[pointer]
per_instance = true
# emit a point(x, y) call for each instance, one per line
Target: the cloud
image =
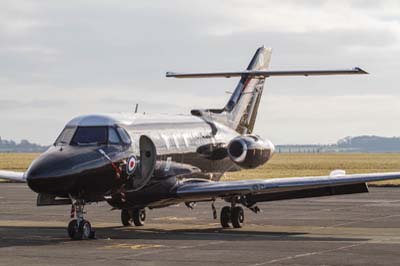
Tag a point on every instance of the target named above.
point(324, 119)
point(90, 56)
point(11, 104)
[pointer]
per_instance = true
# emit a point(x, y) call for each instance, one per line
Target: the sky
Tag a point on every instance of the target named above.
point(61, 59)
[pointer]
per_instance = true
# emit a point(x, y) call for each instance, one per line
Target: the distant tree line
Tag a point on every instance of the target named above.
point(348, 144)
point(23, 146)
point(373, 144)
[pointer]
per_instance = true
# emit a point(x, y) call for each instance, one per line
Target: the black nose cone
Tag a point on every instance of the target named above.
point(47, 174)
point(72, 171)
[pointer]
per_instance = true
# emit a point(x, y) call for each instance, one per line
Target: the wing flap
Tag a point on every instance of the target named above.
point(268, 73)
point(307, 193)
point(12, 176)
point(276, 185)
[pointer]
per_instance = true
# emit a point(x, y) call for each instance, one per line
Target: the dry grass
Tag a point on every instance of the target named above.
point(281, 165)
point(16, 161)
point(300, 164)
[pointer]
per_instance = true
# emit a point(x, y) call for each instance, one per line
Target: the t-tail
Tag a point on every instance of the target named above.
point(240, 112)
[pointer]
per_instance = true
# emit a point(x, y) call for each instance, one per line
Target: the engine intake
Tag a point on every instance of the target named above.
point(250, 151)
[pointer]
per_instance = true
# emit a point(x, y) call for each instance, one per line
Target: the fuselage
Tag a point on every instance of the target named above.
point(82, 164)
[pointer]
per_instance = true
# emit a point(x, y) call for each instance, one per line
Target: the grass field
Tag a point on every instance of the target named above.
point(303, 164)
point(281, 165)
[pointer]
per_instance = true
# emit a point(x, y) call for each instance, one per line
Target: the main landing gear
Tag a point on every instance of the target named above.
point(79, 228)
point(134, 216)
point(232, 215)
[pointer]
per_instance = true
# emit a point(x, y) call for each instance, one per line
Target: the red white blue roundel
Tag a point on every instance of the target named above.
point(131, 165)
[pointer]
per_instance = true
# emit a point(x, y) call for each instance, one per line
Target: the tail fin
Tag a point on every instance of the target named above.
point(241, 110)
point(243, 105)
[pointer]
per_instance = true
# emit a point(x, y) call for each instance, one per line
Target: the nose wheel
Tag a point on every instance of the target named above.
point(232, 215)
point(133, 217)
point(79, 228)
point(80, 231)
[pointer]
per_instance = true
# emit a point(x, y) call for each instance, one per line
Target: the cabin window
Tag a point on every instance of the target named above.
point(90, 136)
point(113, 136)
point(124, 135)
point(65, 137)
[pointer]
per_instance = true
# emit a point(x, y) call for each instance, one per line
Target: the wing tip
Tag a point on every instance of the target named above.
point(361, 71)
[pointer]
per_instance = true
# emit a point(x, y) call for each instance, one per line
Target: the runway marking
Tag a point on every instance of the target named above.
point(156, 251)
point(307, 254)
point(173, 218)
point(137, 246)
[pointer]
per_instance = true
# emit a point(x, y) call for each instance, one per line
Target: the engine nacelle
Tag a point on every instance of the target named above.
point(250, 151)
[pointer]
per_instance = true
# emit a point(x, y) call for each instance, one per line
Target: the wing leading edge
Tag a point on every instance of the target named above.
point(206, 190)
point(12, 176)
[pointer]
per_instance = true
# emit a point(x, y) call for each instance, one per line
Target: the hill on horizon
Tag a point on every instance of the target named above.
point(361, 144)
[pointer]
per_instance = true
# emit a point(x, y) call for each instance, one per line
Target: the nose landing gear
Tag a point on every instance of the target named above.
point(79, 228)
point(135, 216)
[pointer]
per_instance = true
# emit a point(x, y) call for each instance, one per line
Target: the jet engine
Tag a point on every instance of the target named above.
point(250, 151)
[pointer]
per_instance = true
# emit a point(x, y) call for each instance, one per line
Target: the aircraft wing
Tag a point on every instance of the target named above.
point(12, 176)
point(283, 188)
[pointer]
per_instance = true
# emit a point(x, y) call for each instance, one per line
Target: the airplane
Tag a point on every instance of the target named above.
point(138, 161)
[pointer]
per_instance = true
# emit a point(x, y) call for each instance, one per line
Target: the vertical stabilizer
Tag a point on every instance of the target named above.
point(241, 110)
point(243, 105)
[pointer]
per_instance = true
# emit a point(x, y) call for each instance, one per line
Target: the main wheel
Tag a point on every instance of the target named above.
point(126, 218)
point(237, 217)
point(139, 216)
point(225, 216)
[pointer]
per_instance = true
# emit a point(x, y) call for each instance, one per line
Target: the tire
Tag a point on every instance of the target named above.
point(139, 216)
point(74, 231)
point(237, 217)
point(85, 229)
point(72, 228)
point(225, 216)
point(126, 218)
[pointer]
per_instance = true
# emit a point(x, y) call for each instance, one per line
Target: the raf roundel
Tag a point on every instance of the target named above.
point(131, 165)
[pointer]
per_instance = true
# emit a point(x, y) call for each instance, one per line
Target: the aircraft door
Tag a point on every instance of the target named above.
point(148, 157)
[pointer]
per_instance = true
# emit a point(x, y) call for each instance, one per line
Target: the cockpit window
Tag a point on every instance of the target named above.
point(65, 136)
point(124, 135)
point(90, 136)
point(113, 136)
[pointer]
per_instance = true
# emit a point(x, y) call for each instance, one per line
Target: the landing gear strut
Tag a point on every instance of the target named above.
point(232, 215)
point(79, 228)
point(135, 216)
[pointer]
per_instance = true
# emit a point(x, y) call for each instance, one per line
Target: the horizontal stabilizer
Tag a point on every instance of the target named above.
point(267, 73)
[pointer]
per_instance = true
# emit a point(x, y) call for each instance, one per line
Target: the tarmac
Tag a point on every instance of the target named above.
point(359, 229)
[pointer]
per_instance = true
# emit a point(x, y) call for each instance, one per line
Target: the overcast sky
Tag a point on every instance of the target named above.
point(60, 59)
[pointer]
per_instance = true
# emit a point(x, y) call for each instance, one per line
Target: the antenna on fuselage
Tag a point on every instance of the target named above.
point(136, 108)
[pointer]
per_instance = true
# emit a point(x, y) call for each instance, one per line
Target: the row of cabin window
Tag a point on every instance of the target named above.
point(181, 140)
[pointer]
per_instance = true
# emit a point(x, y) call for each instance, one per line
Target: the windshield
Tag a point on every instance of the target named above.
point(113, 136)
point(90, 136)
point(65, 136)
point(124, 135)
